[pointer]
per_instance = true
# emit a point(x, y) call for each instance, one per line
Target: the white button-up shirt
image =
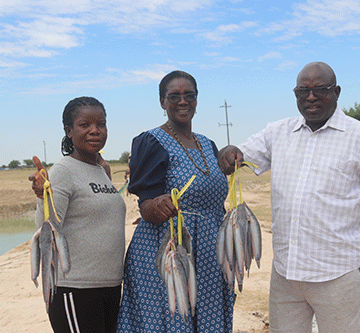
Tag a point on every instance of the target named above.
point(315, 195)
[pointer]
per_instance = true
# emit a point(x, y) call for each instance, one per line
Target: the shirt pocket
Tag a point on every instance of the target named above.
point(336, 177)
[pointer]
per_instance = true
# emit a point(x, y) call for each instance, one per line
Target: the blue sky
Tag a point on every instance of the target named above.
point(245, 52)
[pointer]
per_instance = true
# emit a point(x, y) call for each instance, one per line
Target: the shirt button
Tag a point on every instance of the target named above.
point(302, 176)
point(297, 197)
point(308, 155)
point(293, 242)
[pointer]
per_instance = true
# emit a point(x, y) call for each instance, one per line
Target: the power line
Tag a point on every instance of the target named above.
point(227, 121)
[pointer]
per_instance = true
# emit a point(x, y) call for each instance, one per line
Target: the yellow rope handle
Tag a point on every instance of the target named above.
point(47, 189)
point(232, 185)
point(175, 196)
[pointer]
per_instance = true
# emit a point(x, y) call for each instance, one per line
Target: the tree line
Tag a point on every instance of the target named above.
point(28, 163)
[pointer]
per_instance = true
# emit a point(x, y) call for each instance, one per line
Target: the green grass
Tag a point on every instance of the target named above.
point(16, 225)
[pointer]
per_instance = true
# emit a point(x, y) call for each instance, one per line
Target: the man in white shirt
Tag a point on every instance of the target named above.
point(315, 200)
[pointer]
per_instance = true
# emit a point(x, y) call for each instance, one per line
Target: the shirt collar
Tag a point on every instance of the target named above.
point(336, 121)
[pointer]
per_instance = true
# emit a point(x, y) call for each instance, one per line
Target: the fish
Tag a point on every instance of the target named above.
point(176, 266)
point(46, 243)
point(238, 242)
point(220, 240)
point(181, 288)
point(239, 239)
point(62, 249)
point(256, 241)
point(35, 258)
point(169, 283)
point(186, 239)
point(192, 285)
point(49, 248)
point(229, 240)
point(160, 256)
point(183, 257)
point(243, 221)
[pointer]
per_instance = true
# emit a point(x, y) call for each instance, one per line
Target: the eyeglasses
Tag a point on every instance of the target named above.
point(174, 99)
point(319, 92)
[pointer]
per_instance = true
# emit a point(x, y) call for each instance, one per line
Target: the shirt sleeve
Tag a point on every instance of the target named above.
point(257, 150)
point(148, 167)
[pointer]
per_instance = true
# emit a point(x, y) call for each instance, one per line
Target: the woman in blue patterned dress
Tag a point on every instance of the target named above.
point(162, 159)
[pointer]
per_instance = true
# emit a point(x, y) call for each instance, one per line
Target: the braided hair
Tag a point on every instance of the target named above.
point(70, 112)
point(171, 76)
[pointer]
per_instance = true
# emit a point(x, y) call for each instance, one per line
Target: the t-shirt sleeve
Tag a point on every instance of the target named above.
point(148, 167)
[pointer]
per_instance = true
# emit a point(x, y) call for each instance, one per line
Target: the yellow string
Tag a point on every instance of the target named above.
point(232, 185)
point(175, 196)
point(47, 190)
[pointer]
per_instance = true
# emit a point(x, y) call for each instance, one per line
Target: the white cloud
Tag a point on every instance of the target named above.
point(220, 35)
point(287, 65)
point(230, 59)
point(270, 55)
point(325, 17)
point(40, 27)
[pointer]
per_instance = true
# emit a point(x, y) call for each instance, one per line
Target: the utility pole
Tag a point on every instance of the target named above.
point(227, 121)
point(45, 152)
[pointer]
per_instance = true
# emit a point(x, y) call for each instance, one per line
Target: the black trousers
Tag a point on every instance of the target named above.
point(93, 310)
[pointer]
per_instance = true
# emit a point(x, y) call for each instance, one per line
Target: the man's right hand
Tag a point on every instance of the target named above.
point(227, 157)
point(37, 180)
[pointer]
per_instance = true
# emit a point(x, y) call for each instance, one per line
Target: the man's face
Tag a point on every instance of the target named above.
point(319, 105)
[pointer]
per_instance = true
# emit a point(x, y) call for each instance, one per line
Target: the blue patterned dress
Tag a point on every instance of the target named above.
point(159, 164)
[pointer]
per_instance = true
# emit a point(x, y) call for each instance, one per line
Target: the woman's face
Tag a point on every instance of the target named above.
point(89, 131)
point(180, 112)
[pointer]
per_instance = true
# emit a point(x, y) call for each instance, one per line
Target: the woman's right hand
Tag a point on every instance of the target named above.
point(158, 210)
point(37, 180)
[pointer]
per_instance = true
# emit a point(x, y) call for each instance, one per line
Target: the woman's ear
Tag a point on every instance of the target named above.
point(68, 131)
point(162, 103)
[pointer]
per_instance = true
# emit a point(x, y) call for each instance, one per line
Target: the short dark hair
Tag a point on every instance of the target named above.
point(171, 76)
point(69, 114)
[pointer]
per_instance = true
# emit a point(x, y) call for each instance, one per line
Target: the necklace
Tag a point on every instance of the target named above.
point(198, 144)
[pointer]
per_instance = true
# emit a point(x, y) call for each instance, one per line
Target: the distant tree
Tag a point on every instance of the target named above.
point(14, 164)
point(124, 157)
point(29, 163)
point(353, 112)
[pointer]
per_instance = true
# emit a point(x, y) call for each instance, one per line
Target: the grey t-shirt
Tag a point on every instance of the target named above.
point(93, 221)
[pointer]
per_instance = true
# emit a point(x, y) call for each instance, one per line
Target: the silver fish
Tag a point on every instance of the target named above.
point(229, 240)
point(62, 249)
point(35, 257)
point(220, 240)
point(49, 247)
point(46, 241)
point(186, 239)
point(160, 256)
point(181, 288)
point(256, 241)
point(239, 239)
point(169, 283)
point(183, 257)
point(192, 285)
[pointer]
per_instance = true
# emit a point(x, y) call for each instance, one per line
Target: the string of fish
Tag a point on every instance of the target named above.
point(48, 247)
point(239, 237)
point(176, 264)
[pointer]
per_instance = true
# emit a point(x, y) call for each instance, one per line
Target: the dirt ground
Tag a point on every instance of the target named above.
point(21, 305)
